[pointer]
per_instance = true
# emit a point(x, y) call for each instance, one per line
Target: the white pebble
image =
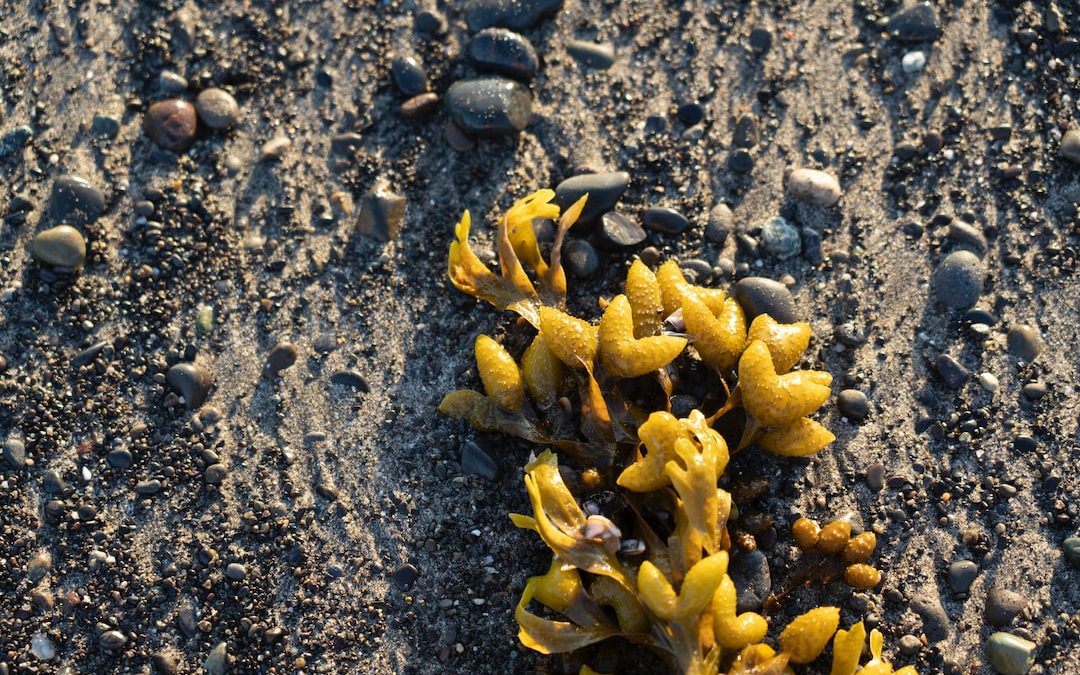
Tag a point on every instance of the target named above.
point(913, 62)
point(988, 382)
point(42, 647)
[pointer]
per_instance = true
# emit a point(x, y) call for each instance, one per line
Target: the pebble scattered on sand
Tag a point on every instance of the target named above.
point(489, 107)
point(60, 246)
point(171, 124)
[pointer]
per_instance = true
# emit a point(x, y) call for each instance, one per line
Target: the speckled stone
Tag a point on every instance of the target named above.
point(814, 187)
point(60, 246)
point(217, 108)
point(505, 52)
point(780, 239)
point(958, 280)
point(489, 107)
point(75, 200)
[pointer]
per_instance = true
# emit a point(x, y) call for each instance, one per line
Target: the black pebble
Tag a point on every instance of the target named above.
point(75, 201)
point(761, 39)
point(620, 231)
point(409, 75)
point(668, 221)
point(350, 378)
point(405, 576)
point(759, 295)
point(952, 372)
point(853, 404)
point(691, 113)
point(580, 258)
point(741, 161)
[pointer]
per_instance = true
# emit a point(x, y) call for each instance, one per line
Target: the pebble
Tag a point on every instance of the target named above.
point(191, 381)
point(665, 220)
point(958, 280)
point(351, 379)
point(746, 132)
point(966, 234)
point(759, 295)
point(580, 258)
point(604, 191)
point(112, 639)
point(1024, 342)
point(988, 381)
point(719, 224)
point(235, 571)
point(171, 124)
point(281, 357)
point(14, 451)
point(274, 149)
point(620, 231)
point(962, 574)
point(875, 477)
point(217, 663)
point(780, 239)
point(910, 645)
point(345, 143)
point(215, 473)
point(1002, 606)
point(217, 108)
point(1010, 654)
point(913, 62)
point(325, 343)
point(600, 56)
point(42, 647)
point(752, 578)
point(1035, 390)
point(935, 621)
point(148, 487)
point(951, 371)
point(75, 200)
point(420, 105)
point(1070, 146)
point(1071, 548)
point(741, 161)
point(164, 663)
point(489, 107)
point(853, 405)
point(382, 214)
point(409, 75)
point(38, 567)
point(760, 39)
point(505, 52)
point(172, 82)
point(60, 246)
point(814, 187)
point(120, 458)
point(89, 354)
point(690, 113)
point(517, 14)
point(476, 462)
point(204, 319)
point(405, 576)
point(430, 21)
point(915, 23)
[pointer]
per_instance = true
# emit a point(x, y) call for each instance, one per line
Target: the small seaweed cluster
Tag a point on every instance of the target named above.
point(602, 394)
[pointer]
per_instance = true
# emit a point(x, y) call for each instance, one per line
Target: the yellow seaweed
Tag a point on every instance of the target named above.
point(622, 354)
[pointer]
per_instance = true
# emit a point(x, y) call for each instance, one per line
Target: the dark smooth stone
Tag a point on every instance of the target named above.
point(580, 258)
point(620, 231)
point(430, 21)
point(74, 200)
point(89, 354)
point(761, 39)
point(741, 161)
point(966, 234)
point(405, 576)
point(409, 75)
point(1066, 48)
point(476, 462)
point(215, 473)
point(662, 219)
point(915, 23)
point(191, 381)
point(1025, 443)
point(655, 124)
point(696, 270)
point(952, 372)
point(281, 357)
point(381, 214)
point(962, 574)
point(1002, 606)
point(515, 14)
point(752, 578)
point(120, 458)
point(1035, 390)
point(591, 54)
point(958, 280)
point(604, 190)
point(52, 482)
point(746, 133)
point(853, 404)
point(1024, 342)
point(420, 105)
point(148, 487)
point(690, 113)
point(489, 107)
point(978, 315)
point(351, 379)
point(112, 639)
point(758, 295)
point(345, 143)
point(171, 124)
point(505, 52)
point(235, 571)
point(325, 343)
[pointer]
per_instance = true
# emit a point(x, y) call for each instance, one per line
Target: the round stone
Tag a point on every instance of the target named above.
point(489, 107)
point(661, 219)
point(1010, 654)
point(910, 645)
point(405, 576)
point(409, 75)
point(760, 39)
point(604, 190)
point(15, 451)
point(780, 239)
point(758, 295)
point(1002, 606)
point(1070, 146)
point(958, 280)
point(967, 235)
point(281, 357)
point(913, 62)
point(852, 404)
point(988, 381)
point(741, 161)
point(217, 108)
point(112, 639)
point(171, 124)
point(814, 187)
point(875, 477)
point(746, 132)
point(1024, 342)
point(719, 224)
point(620, 231)
point(235, 571)
point(962, 574)
point(215, 473)
point(580, 257)
point(690, 113)
point(191, 381)
point(60, 246)
point(75, 200)
point(516, 14)
point(505, 52)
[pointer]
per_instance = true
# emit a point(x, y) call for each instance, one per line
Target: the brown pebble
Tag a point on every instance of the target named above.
point(458, 139)
point(420, 105)
point(281, 357)
point(171, 124)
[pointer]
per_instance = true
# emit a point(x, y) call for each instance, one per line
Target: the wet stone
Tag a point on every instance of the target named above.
point(915, 23)
point(780, 239)
point(620, 231)
point(120, 458)
point(600, 56)
point(759, 295)
point(381, 214)
point(962, 574)
point(420, 105)
point(60, 246)
point(741, 161)
point(191, 381)
point(52, 482)
point(217, 108)
point(967, 235)
point(958, 280)
point(1070, 146)
point(350, 379)
point(690, 113)
point(405, 576)
point(1024, 342)
point(409, 75)
point(604, 191)
point(75, 200)
point(489, 107)
point(814, 187)
point(719, 224)
point(430, 21)
point(476, 462)
point(852, 404)
point(325, 343)
point(665, 220)
point(1002, 606)
point(952, 372)
point(281, 357)
point(504, 52)
point(580, 258)
point(515, 14)
point(171, 124)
